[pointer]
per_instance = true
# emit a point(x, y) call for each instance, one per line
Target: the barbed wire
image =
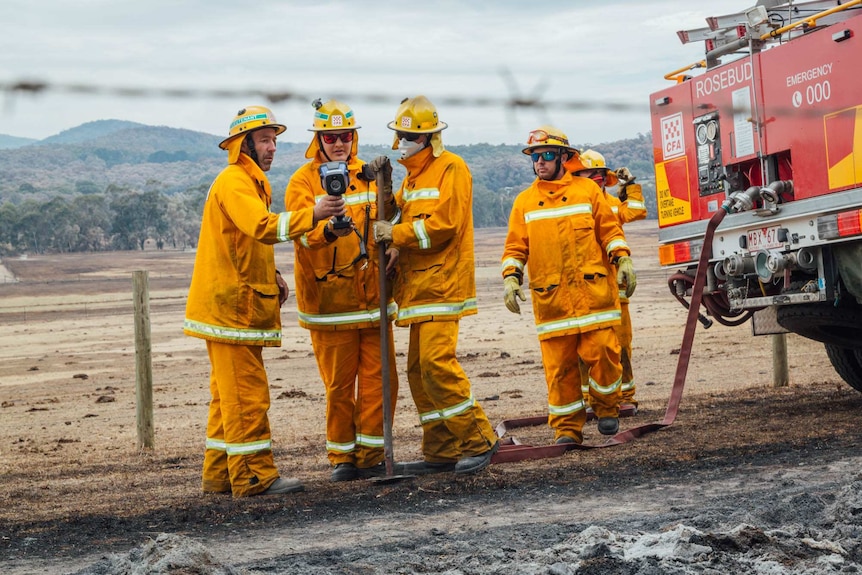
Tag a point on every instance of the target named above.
point(513, 101)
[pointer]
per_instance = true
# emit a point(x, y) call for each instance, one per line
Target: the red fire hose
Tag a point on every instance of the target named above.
point(511, 450)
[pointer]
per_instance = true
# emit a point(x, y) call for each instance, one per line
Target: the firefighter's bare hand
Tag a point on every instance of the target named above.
point(339, 232)
point(392, 256)
point(512, 293)
point(626, 275)
point(327, 207)
point(625, 175)
point(283, 290)
point(382, 231)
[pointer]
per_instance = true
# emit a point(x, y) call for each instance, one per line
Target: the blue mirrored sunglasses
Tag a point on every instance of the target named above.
point(548, 156)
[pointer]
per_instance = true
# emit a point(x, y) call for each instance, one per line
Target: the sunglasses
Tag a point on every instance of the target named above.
point(330, 138)
point(548, 156)
point(408, 136)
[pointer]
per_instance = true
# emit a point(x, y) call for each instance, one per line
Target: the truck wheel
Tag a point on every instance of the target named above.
point(848, 363)
point(823, 322)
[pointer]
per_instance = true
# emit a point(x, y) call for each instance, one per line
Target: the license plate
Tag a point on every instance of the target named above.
point(764, 239)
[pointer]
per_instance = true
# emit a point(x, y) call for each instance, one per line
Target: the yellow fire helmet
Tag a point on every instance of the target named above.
point(251, 118)
point(548, 136)
point(418, 116)
point(592, 160)
point(332, 116)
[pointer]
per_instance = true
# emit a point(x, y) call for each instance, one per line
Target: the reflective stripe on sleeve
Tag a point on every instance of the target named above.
point(284, 226)
point(421, 234)
point(511, 262)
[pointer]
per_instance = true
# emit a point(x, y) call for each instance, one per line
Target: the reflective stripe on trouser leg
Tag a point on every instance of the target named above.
point(600, 350)
point(349, 364)
point(337, 354)
point(215, 478)
point(243, 401)
point(453, 423)
point(624, 334)
point(369, 396)
point(585, 380)
point(566, 408)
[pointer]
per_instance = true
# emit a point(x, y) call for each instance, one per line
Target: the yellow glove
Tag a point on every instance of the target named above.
point(626, 275)
point(382, 231)
point(512, 291)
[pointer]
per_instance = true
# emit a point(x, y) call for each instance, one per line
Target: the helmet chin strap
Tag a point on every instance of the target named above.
point(252, 151)
point(323, 150)
point(320, 145)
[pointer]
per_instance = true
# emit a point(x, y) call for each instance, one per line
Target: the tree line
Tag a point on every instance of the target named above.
point(94, 217)
point(118, 219)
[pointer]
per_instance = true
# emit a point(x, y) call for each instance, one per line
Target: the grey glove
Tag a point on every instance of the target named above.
point(625, 176)
point(382, 165)
point(382, 231)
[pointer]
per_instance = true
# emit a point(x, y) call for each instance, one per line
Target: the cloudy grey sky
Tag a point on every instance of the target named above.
point(597, 51)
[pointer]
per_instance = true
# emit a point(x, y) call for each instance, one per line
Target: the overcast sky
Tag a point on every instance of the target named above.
point(597, 51)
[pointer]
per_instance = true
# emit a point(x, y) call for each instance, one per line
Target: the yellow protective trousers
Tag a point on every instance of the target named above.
point(454, 425)
point(350, 367)
point(599, 350)
point(238, 456)
point(624, 334)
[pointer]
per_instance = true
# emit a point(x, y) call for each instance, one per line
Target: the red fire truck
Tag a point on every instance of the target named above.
point(771, 133)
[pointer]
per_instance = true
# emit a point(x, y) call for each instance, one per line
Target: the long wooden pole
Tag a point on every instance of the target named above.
point(384, 331)
point(143, 361)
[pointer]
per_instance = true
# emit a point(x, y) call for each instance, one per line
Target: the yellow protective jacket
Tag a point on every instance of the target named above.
point(565, 231)
point(633, 207)
point(435, 237)
point(335, 287)
point(233, 297)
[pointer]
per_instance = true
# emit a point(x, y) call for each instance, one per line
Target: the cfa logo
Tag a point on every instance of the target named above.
point(672, 140)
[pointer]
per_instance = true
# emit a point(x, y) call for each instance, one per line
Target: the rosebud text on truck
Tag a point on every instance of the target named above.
point(770, 134)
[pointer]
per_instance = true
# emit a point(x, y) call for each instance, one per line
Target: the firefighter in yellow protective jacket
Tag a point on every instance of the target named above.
point(562, 230)
point(629, 206)
point(234, 302)
point(434, 289)
point(338, 295)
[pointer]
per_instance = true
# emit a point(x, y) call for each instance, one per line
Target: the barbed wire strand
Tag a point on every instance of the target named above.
point(513, 101)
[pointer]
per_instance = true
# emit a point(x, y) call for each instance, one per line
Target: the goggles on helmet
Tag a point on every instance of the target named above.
point(541, 136)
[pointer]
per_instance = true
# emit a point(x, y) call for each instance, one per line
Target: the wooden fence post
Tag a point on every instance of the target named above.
point(143, 361)
point(780, 371)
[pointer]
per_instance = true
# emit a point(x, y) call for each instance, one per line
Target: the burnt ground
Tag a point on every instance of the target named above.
point(749, 478)
point(748, 447)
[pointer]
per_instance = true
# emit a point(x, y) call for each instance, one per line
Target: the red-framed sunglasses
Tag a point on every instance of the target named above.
point(330, 138)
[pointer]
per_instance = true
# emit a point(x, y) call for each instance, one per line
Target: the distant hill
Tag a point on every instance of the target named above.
point(7, 142)
point(110, 154)
point(90, 131)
